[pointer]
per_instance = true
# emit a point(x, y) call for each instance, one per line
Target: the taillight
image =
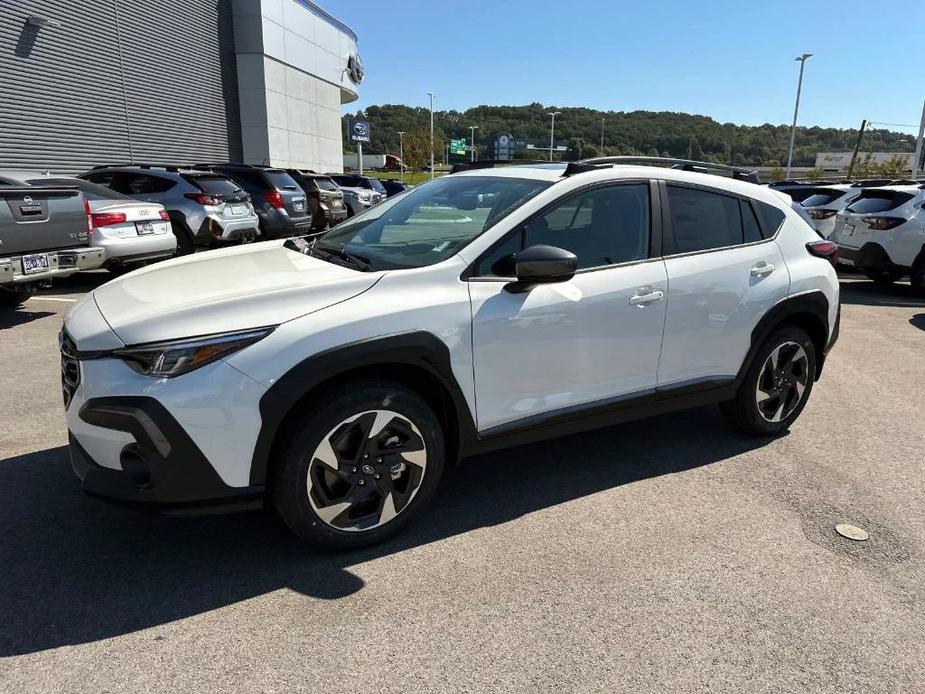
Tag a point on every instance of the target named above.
point(88, 213)
point(164, 215)
point(203, 199)
point(883, 223)
point(274, 199)
point(106, 219)
point(823, 249)
point(821, 214)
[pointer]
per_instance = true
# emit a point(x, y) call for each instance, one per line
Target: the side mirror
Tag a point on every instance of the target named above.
point(542, 265)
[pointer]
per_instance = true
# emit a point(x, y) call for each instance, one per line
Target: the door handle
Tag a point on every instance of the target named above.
point(762, 268)
point(645, 296)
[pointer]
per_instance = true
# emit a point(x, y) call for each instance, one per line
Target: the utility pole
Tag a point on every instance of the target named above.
point(401, 155)
point(472, 129)
point(917, 157)
point(857, 146)
point(552, 131)
point(602, 137)
point(431, 95)
point(796, 109)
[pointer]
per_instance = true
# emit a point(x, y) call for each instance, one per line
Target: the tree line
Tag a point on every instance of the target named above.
point(649, 133)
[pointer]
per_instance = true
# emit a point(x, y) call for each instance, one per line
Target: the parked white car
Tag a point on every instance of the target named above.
point(882, 234)
point(335, 379)
point(825, 202)
point(131, 233)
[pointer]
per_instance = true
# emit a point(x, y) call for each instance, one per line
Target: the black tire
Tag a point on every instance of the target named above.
point(746, 414)
point(883, 277)
point(13, 298)
point(917, 276)
point(185, 243)
point(324, 419)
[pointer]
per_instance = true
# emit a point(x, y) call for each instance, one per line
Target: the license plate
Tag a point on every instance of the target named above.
point(848, 230)
point(298, 205)
point(238, 209)
point(34, 263)
point(144, 227)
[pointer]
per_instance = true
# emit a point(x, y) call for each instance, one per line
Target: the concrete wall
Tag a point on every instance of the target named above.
point(292, 79)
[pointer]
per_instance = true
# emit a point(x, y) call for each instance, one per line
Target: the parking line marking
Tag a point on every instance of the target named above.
point(53, 298)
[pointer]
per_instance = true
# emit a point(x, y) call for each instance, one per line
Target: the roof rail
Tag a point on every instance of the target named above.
point(737, 172)
point(138, 165)
point(481, 164)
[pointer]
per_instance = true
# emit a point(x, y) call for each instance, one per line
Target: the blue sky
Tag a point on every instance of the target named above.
point(732, 61)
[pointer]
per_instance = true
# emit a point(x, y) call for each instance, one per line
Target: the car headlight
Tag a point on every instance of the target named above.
point(177, 357)
point(365, 197)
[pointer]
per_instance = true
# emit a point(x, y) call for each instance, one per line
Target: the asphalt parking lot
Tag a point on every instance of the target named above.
point(663, 555)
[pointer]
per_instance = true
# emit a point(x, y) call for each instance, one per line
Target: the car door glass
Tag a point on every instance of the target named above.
point(701, 220)
point(749, 223)
point(603, 226)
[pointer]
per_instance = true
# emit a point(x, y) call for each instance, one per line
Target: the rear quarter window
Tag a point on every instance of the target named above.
point(771, 218)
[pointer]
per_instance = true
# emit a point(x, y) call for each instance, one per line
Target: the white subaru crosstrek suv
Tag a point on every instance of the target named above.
point(882, 233)
point(336, 378)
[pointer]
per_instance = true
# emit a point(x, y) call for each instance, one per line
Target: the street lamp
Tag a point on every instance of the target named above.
point(431, 95)
point(602, 137)
point(793, 128)
point(552, 131)
point(472, 129)
point(401, 155)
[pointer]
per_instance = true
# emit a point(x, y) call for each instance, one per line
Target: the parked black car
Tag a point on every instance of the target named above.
point(393, 187)
point(280, 203)
point(325, 198)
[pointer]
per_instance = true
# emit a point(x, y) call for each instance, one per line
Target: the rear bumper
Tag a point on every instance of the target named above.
point(162, 469)
point(138, 248)
point(278, 224)
point(60, 264)
point(223, 230)
point(869, 256)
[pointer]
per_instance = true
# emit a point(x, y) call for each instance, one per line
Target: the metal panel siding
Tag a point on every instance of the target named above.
point(64, 105)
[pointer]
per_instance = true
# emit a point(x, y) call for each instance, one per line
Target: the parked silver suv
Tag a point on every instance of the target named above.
point(205, 208)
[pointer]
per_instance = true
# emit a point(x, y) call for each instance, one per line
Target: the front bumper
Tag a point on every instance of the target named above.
point(161, 469)
point(60, 264)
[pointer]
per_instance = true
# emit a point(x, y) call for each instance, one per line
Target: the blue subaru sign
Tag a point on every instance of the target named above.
point(358, 130)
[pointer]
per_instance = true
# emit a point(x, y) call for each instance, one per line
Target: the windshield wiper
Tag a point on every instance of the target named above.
point(355, 259)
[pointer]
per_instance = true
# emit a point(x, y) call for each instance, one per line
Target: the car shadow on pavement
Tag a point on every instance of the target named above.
point(10, 318)
point(74, 569)
point(918, 321)
point(867, 293)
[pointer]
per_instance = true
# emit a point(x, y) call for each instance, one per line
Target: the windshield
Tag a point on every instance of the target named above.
point(91, 191)
point(879, 201)
point(325, 184)
point(281, 180)
point(217, 185)
point(352, 181)
point(377, 185)
point(823, 196)
point(431, 222)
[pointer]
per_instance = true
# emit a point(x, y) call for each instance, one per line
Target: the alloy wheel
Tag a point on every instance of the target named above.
point(366, 470)
point(782, 381)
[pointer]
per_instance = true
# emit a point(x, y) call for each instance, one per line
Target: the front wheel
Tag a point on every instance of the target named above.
point(777, 384)
point(14, 298)
point(883, 277)
point(355, 468)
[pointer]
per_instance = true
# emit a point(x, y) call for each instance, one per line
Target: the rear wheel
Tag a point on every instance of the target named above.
point(883, 277)
point(777, 385)
point(185, 244)
point(917, 276)
point(354, 469)
point(15, 297)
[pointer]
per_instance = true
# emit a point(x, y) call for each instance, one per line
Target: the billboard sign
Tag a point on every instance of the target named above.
point(841, 160)
point(358, 130)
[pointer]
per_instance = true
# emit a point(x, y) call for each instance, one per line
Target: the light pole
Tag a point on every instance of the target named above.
point(472, 129)
point(552, 131)
point(793, 128)
point(401, 155)
point(431, 95)
point(917, 157)
point(602, 137)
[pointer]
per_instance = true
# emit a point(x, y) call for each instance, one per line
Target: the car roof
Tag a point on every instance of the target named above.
point(554, 171)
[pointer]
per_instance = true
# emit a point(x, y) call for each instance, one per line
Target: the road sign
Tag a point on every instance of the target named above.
point(458, 146)
point(358, 130)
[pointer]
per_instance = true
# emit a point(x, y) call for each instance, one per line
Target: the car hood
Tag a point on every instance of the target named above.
point(218, 291)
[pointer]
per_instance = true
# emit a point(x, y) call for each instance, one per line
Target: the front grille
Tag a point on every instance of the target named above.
point(70, 368)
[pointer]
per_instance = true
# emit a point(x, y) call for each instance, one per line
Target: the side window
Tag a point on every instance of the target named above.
point(749, 223)
point(104, 178)
point(701, 220)
point(771, 218)
point(142, 184)
point(603, 226)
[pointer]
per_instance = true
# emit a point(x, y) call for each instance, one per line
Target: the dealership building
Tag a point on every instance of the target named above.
point(87, 82)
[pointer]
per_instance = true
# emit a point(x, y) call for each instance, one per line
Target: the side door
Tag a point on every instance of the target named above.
point(590, 340)
point(725, 271)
